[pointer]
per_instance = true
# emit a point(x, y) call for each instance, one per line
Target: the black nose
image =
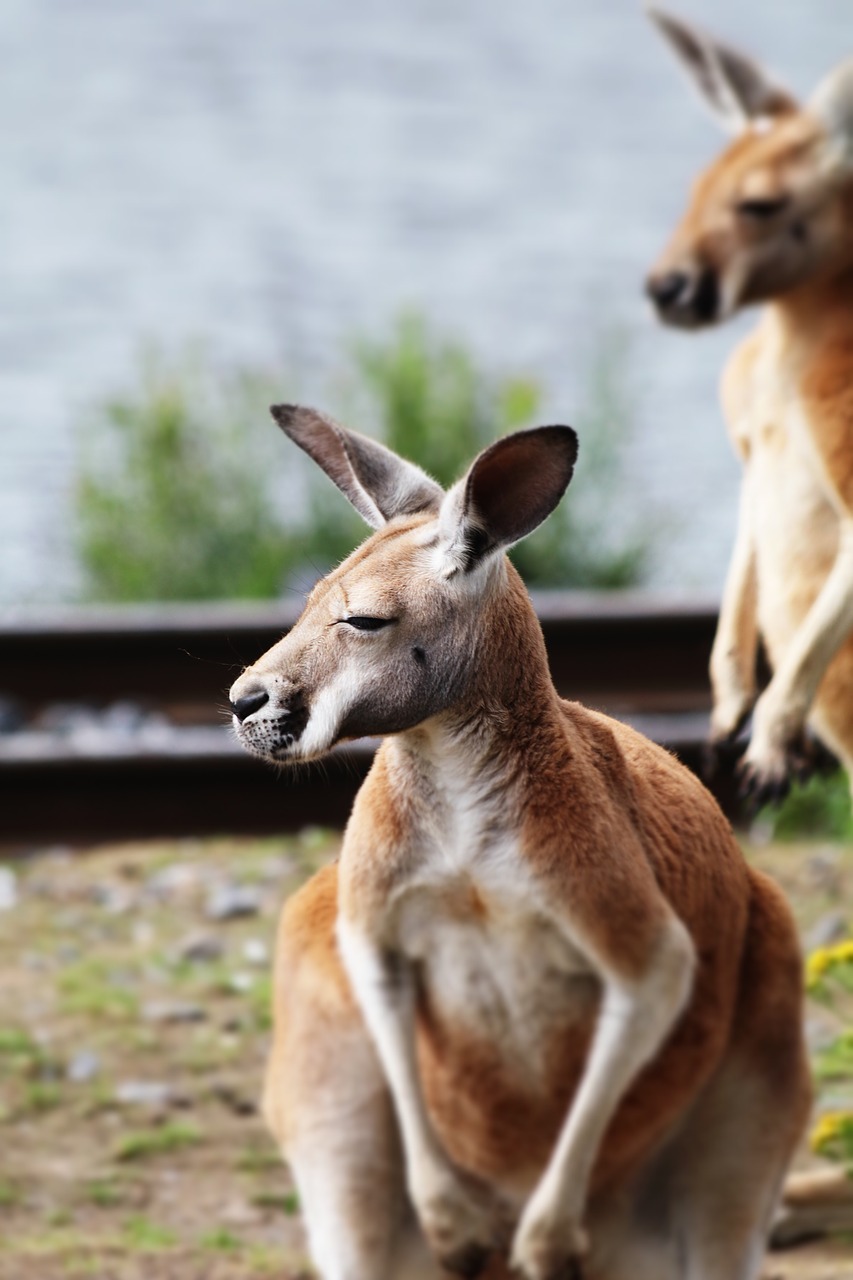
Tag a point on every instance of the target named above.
point(249, 702)
point(666, 289)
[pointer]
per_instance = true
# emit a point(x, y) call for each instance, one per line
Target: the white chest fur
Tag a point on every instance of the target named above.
point(492, 959)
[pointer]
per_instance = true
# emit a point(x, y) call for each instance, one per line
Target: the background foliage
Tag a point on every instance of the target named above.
point(184, 491)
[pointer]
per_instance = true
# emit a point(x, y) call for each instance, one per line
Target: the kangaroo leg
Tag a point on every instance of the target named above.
point(730, 1160)
point(326, 1102)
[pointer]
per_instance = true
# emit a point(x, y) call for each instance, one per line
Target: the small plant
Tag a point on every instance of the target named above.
point(91, 987)
point(144, 1143)
point(106, 1195)
point(10, 1194)
point(175, 497)
point(140, 1233)
point(259, 1158)
point(42, 1095)
point(173, 501)
point(220, 1240)
point(819, 808)
point(286, 1201)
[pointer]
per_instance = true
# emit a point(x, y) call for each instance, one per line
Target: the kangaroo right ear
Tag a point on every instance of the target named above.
point(832, 103)
point(509, 490)
point(733, 85)
point(378, 484)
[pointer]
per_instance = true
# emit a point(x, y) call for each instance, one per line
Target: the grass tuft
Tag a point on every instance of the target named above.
point(145, 1143)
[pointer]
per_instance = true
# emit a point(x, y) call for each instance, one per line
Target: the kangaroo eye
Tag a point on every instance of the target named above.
point(761, 210)
point(362, 622)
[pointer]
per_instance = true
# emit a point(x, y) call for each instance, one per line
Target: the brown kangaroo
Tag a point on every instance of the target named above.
point(541, 1014)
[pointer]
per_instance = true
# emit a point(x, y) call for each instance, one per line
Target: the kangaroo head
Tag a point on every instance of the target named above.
point(401, 630)
point(775, 209)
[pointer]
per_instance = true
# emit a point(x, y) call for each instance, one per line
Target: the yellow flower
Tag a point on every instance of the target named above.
point(817, 964)
point(825, 959)
point(828, 1128)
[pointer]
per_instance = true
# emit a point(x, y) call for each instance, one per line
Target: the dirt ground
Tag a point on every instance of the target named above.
point(134, 1023)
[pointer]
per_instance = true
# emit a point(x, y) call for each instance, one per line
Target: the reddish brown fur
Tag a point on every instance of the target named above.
point(591, 785)
point(548, 924)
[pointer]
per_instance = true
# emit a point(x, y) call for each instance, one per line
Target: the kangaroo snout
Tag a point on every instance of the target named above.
point(248, 700)
point(685, 298)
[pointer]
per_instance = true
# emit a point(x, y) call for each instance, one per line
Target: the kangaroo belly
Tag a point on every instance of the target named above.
point(796, 536)
point(505, 1018)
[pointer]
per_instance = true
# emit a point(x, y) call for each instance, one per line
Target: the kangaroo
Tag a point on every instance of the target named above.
point(541, 1014)
point(771, 222)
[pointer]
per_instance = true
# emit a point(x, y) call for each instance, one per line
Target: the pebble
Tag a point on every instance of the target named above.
point(8, 889)
point(822, 869)
point(256, 951)
point(201, 948)
point(277, 866)
point(149, 1093)
point(830, 928)
point(85, 1065)
point(176, 880)
point(239, 1213)
point(114, 898)
point(233, 902)
point(241, 982)
point(168, 1011)
point(235, 1100)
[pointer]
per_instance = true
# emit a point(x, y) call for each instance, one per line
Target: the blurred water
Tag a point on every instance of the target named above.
point(278, 175)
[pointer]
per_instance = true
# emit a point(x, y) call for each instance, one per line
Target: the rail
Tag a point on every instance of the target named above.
point(169, 765)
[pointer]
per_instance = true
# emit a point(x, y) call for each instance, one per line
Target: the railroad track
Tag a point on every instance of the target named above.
point(165, 763)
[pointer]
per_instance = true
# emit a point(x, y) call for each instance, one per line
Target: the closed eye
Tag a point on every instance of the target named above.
point(761, 210)
point(363, 622)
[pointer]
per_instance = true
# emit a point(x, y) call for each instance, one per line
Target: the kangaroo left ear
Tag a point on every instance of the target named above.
point(378, 483)
point(735, 87)
point(509, 490)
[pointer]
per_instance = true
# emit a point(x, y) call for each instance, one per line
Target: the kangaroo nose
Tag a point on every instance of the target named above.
point(666, 289)
point(249, 702)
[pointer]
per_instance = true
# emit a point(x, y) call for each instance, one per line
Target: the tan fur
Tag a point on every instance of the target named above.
point(788, 398)
point(541, 967)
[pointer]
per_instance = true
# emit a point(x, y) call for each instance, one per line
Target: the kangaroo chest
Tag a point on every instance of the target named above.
point(494, 964)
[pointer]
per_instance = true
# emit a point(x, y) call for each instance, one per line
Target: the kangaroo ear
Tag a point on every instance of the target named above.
point(378, 484)
point(832, 104)
point(734, 86)
point(509, 490)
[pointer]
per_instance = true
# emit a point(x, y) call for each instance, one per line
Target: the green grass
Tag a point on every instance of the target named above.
point(145, 1143)
point(42, 1095)
point(286, 1201)
point(220, 1240)
point(146, 1236)
point(106, 1195)
point(259, 1157)
point(10, 1194)
point(819, 808)
point(92, 989)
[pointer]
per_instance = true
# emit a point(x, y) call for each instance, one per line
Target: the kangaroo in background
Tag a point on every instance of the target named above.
point(541, 1014)
point(771, 222)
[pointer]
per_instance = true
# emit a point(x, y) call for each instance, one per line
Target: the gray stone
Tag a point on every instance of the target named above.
point(175, 881)
point(830, 928)
point(201, 948)
point(149, 1093)
point(233, 902)
point(170, 1011)
point(84, 1066)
